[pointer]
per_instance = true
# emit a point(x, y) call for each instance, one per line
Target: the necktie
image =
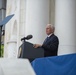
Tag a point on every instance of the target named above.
point(46, 40)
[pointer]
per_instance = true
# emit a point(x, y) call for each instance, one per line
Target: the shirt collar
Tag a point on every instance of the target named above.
point(49, 35)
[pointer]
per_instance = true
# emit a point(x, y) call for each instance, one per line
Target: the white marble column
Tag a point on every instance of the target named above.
point(65, 23)
point(12, 47)
point(12, 29)
point(37, 16)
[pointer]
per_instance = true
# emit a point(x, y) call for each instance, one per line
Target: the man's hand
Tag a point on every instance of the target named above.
point(37, 45)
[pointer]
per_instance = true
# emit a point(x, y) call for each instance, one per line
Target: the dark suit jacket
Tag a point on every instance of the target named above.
point(51, 46)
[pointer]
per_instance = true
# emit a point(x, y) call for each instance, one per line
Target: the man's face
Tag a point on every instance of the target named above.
point(48, 30)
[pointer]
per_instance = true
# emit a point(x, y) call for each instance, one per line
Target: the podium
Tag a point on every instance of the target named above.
point(28, 51)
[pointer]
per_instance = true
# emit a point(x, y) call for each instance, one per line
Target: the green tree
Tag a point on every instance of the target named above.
point(2, 50)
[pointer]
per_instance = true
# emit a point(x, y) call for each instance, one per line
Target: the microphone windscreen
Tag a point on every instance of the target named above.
point(29, 37)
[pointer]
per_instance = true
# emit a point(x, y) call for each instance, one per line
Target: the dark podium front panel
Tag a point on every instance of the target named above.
point(28, 51)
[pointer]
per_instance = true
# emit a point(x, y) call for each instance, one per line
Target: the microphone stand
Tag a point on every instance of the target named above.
point(21, 48)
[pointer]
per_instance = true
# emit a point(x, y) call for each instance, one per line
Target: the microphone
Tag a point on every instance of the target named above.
point(27, 37)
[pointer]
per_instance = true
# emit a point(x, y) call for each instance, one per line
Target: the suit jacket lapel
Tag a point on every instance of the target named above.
point(49, 38)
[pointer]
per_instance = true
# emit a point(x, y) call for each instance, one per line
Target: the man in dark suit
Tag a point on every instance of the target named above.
point(50, 44)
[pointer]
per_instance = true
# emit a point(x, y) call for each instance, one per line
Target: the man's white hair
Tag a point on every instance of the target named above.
point(51, 26)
